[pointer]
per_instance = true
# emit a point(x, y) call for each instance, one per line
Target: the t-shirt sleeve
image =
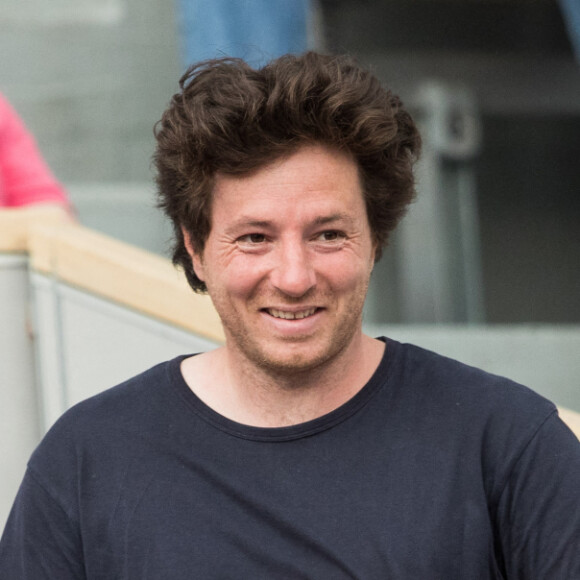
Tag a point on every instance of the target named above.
point(538, 516)
point(40, 541)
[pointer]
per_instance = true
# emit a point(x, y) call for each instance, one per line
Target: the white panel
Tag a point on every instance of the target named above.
point(105, 343)
point(19, 430)
point(87, 344)
point(544, 358)
point(48, 351)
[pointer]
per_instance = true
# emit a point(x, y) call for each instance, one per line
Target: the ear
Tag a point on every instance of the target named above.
point(196, 257)
point(376, 252)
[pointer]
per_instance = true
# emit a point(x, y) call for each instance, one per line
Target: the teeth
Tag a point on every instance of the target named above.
point(291, 315)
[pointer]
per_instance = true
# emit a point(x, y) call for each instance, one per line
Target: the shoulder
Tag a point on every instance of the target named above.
point(446, 380)
point(93, 445)
point(484, 421)
point(131, 396)
point(467, 405)
point(112, 418)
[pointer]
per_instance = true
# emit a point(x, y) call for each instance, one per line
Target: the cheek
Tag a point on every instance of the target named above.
point(346, 274)
point(239, 278)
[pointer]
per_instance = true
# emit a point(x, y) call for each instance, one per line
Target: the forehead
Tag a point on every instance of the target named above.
point(314, 178)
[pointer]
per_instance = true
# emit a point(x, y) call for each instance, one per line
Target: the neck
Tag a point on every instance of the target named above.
point(264, 397)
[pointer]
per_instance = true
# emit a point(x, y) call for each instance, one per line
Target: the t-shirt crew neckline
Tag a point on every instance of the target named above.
point(379, 379)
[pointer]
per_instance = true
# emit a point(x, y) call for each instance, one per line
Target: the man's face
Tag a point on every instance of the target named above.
point(288, 260)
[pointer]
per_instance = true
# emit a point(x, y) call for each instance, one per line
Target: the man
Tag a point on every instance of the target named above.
point(302, 448)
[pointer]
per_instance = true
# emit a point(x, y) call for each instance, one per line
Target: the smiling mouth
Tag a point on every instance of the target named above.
point(291, 315)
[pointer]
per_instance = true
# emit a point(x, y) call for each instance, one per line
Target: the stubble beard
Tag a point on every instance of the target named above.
point(282, 364)
point(297, 357)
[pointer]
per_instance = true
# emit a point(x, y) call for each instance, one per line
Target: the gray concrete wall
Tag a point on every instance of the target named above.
point(516, 58)
point(90, 78)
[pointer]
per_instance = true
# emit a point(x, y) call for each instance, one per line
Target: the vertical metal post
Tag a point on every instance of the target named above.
point(439, 270)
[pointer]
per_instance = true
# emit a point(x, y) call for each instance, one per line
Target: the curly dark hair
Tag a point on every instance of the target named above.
point(232, 119)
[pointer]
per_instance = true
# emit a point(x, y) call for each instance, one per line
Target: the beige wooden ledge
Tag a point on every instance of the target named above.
point(16, 224)
point(120, 272)
point(127, 275)
point(571, 418)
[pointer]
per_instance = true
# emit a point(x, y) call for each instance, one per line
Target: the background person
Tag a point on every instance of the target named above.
point(25, 178)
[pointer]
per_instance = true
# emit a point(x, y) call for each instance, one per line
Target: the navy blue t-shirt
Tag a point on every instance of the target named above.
point(434, 470)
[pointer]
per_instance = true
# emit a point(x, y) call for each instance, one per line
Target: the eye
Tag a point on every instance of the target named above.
point(330, 236)
point(252, 239)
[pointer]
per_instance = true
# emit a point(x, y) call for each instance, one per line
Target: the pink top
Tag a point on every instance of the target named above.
point(25, 178)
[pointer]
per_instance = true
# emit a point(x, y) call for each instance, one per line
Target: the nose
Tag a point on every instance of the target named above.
point(293, 273)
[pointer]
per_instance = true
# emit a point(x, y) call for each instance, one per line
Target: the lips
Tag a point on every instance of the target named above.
point(291, 315)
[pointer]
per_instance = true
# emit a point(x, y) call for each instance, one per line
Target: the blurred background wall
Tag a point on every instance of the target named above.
point(515, 58)
point(91, 77)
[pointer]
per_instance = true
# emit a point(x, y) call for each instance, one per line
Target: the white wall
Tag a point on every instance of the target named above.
point(19, 426)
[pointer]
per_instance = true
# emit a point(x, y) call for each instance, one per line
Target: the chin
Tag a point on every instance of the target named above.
point(293, 361)
point(289, 365)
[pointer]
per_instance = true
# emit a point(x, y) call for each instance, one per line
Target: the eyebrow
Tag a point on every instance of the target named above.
point(244, 222)
point(335, 217)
